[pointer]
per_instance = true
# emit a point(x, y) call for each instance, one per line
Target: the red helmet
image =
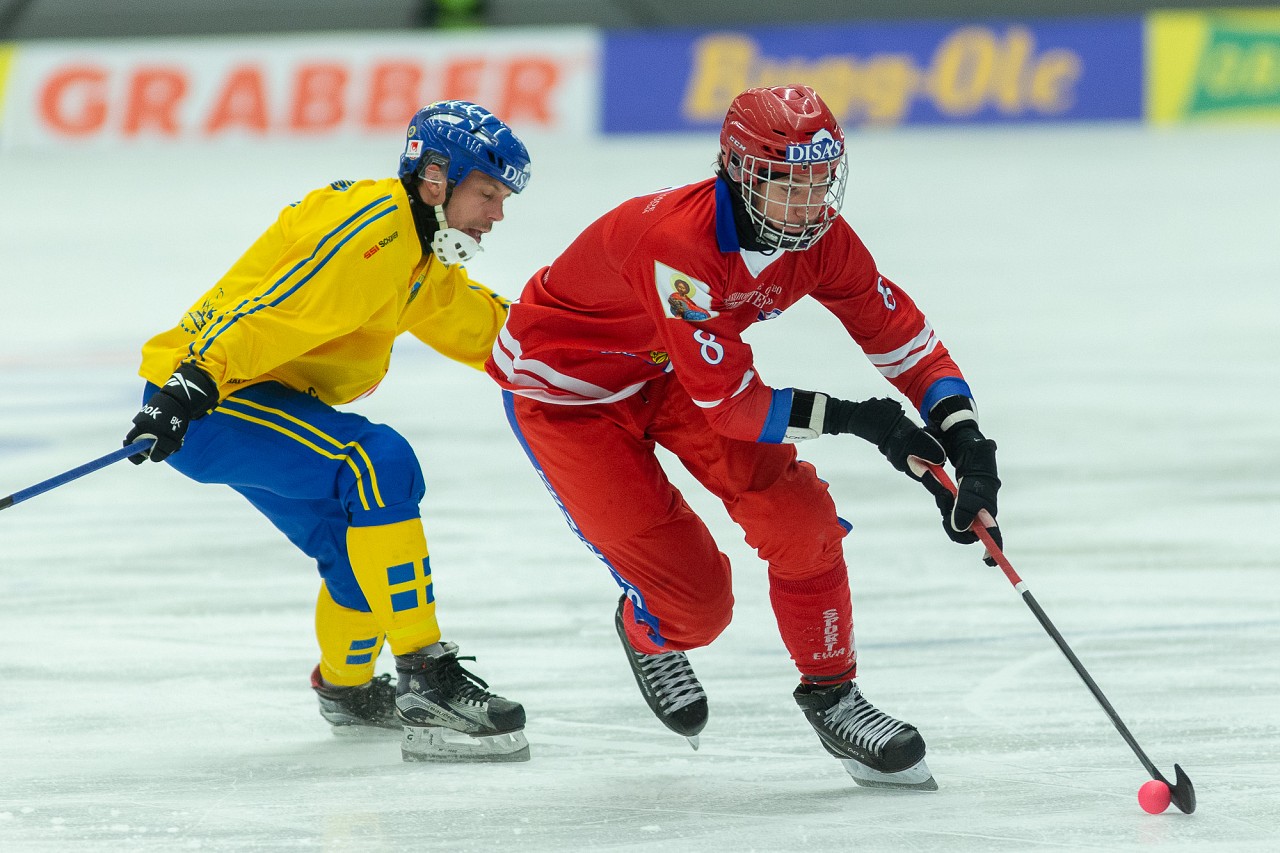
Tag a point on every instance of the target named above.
point(785, 150)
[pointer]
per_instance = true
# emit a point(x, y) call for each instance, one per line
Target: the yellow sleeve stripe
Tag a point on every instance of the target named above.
point(353, 225)
point(228, 407)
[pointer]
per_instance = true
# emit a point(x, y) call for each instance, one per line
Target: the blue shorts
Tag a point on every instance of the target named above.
point(311, 469)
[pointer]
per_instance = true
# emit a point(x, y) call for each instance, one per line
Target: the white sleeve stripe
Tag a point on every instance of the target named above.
point(545, 382)
point(742, 386)
point(906, 357)
point(562, 399)
point(889, 358)
point(890, 371)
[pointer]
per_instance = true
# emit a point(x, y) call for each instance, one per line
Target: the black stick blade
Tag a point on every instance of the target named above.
point(1181, 793)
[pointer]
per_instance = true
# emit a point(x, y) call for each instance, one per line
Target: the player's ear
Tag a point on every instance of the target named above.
point(433, 188)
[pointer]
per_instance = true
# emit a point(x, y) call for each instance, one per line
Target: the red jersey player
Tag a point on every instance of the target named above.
point(633, 337)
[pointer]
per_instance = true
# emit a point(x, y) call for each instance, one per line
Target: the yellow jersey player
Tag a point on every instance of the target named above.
point(246, 383)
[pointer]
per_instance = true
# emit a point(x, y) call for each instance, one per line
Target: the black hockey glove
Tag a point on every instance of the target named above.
point(953, 421)
point(190, 393)
point(883, 423)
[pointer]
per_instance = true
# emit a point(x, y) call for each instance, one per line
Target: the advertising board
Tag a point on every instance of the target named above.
point(311, 87)
point(1213, 65)
point(883, 74)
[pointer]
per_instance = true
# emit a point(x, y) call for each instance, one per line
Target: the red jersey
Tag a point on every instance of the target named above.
point(660, 283)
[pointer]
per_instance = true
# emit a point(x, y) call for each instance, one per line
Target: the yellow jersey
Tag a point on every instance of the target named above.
point(318, 300)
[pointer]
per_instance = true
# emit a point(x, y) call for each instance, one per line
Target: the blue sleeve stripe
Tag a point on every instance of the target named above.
point(775, 423)
point(948, 386)
point(223, 323)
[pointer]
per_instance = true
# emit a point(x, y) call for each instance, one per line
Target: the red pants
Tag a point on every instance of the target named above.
point(599, 463)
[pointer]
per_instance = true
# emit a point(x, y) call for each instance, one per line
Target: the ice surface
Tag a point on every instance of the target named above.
point(1111, 293)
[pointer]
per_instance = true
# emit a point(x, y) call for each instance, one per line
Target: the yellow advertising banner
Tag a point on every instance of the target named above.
point(1220, 65)
point(6, 56)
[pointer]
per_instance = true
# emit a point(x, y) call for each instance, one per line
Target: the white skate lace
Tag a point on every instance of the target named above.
point(672, 680)
point(859, 722)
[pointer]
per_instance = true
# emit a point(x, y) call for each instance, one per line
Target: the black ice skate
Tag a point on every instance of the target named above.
point(669, 686)
point(877, 750)
point(368, 707)
point(448, 715)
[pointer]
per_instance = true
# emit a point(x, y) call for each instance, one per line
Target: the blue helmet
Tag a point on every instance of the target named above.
point(460, 136)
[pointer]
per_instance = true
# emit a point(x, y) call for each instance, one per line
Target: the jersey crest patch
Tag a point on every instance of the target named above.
point(415, 287)
point(684, 296)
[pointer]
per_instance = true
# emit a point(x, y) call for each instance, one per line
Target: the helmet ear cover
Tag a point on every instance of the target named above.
point(433, 158)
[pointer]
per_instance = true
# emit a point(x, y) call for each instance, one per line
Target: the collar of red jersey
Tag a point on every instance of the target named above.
point(726, 231)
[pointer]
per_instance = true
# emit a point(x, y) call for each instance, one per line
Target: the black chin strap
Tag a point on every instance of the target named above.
point(424, 215)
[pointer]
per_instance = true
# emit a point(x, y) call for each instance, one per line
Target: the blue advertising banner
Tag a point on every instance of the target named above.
point(886, 74)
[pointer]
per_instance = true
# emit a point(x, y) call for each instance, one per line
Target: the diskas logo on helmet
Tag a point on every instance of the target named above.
point(823, 147)
point(518, 178)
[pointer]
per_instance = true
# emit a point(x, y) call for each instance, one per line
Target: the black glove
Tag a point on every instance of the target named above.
point(190, 393)
point(974, 456)
point(883, 423)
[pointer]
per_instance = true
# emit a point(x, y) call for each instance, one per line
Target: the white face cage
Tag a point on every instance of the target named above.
point(791, 205)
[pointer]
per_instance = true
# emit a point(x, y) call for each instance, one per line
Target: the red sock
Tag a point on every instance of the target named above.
point(815, 618)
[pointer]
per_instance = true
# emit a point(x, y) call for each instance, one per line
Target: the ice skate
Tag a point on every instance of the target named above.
point(669, 686)
point(877, 750)
point(368, 707)
point(448, 715)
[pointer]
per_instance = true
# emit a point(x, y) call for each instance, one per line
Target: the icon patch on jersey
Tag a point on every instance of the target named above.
point(415, 287)
point(684, 296)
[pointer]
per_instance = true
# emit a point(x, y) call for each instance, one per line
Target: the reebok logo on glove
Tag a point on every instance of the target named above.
point(185, 385)
point(165, 416)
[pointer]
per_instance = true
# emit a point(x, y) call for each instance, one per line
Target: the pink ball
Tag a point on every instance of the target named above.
point(1154, 797)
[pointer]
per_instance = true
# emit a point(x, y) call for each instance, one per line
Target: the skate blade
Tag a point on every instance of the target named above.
point(362, 732)
point(693, 742)
point(914, 778)
point(434, 743)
